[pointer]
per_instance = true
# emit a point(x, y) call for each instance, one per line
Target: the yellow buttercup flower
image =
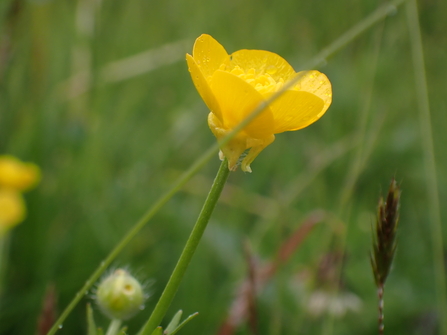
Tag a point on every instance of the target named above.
point(232, 86)
point(17, 175)
point(12, 209)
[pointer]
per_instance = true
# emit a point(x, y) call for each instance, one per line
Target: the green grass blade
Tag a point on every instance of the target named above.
point(429, 161)
point(181, 325)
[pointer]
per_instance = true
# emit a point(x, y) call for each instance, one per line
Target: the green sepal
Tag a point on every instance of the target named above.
point(123, 331)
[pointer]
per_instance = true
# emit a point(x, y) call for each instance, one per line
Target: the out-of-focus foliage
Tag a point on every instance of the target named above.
point(110, 132)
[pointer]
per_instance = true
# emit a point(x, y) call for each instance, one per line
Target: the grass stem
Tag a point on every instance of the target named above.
point(429, 161)
point(379, 14)
point(380, 292)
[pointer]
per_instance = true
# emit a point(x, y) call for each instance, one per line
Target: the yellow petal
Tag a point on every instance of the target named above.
point(295, 110)
point(263, 62)
point(209, 55)
point(12, 209)
point(238, 99)
point(16, 174)
point(203, 87)
point(316, 83)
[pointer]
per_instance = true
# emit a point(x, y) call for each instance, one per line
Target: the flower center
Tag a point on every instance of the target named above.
point(262, 81)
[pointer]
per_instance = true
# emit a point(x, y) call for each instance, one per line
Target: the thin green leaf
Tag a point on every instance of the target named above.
point(174, 322)
point(180, 326)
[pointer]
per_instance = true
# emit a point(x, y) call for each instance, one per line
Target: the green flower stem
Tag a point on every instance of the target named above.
point(188, 251)
point(114, 327)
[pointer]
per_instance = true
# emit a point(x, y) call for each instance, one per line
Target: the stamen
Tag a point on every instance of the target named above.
point(262, 82)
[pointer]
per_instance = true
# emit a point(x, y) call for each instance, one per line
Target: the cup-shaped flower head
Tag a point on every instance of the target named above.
point(12, 209)
point(17, 175)
point(232, 86)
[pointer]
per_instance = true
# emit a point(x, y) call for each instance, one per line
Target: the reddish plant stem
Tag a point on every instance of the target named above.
point(380, 292)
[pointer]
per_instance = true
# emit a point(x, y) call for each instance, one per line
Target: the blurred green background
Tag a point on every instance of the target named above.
point(97, 93)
